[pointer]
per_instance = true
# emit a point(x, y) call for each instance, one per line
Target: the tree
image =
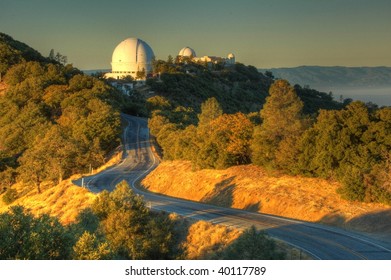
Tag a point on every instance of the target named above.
point(224, 143)
point(8, 57)
point(210, 110)
point(170, 60)
point(350, 145)
point(275, 141)
point(269, 74)
point(88, 247)
point(7, 178)
point(161, 237)
point(101, 121)
point(51, 55)
point(253, 245)
point(140, 75)
point(124, 217)
point(158, 102)
point(34, 238)
point(50, 158)
point(131, 231)
point(378, 182)
point(10, 196)
point(33, 166)
point(60, 58)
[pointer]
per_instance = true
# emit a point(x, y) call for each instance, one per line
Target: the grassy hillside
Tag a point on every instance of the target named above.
point(63, 201)
point(255, 189)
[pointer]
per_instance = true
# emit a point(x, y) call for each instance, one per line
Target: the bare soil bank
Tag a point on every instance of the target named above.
point(252, 188)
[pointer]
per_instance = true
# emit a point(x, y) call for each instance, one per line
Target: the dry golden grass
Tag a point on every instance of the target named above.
point(204, 240)
point(251, 187)
point(63, 201)
point(209, 241)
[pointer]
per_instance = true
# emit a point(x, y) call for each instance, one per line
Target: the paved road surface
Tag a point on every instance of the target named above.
point(322, 242)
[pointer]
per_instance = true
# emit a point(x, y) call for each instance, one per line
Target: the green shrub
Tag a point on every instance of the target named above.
point(10, 196)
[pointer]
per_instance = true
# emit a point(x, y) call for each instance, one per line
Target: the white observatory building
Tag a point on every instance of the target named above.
point(187, 52)
point(131, 56)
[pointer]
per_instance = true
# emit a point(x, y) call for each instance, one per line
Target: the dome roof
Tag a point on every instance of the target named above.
point(187, 51)
point(132, 55)
point(231, 55)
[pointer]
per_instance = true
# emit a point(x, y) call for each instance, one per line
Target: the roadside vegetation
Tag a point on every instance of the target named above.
point(118, 225)
point(350, 144)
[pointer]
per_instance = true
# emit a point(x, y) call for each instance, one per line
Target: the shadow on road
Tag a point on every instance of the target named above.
point(377, 223)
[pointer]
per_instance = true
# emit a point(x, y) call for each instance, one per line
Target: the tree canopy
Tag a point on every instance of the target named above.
point(282, 125)
point(54, 121)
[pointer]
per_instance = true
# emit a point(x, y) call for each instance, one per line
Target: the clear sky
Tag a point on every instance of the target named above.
point(263, 33)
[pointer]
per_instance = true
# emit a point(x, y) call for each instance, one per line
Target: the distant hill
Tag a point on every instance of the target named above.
point(335, 76)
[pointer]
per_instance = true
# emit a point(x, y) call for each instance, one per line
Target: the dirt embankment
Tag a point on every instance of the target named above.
point(252, 188)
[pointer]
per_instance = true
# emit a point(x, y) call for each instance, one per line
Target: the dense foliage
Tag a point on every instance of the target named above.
point(237, 88)
point(54, 121)
point(351, 145)
point(24, 236)
point(219, 141)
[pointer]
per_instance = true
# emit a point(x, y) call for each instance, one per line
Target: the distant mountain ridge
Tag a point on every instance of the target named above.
point(335, 76)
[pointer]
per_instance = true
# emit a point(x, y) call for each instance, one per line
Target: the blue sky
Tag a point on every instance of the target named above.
point(263, 33)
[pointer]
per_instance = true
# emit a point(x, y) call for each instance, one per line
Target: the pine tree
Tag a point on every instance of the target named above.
point(210, 110)
point(275, 141)
point(51, 55)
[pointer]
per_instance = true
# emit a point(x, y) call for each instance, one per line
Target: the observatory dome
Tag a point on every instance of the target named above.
point(187, 52)
point(130, 56)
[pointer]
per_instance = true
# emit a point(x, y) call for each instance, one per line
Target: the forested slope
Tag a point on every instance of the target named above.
point(351, 145)
point(54, 121)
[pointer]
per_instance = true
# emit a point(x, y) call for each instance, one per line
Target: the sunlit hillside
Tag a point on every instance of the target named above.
point(255, 189)
point(63, 201)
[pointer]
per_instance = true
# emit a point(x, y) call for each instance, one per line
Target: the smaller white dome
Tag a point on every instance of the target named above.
point(231, 55)
point(187, 52)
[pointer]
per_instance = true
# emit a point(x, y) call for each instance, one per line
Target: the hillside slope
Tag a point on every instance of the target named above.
point(63, 201)
point(13, 52)
point(252, 188)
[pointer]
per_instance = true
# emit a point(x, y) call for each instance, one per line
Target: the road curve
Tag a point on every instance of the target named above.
point(322, 242)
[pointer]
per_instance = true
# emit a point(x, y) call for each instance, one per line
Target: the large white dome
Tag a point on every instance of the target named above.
point(187, 52)
point(130, 56)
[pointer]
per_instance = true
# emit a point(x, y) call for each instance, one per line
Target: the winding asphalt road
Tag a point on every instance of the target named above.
point(322, 242)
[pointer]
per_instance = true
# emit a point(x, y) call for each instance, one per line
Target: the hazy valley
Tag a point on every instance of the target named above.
point(369, 84)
